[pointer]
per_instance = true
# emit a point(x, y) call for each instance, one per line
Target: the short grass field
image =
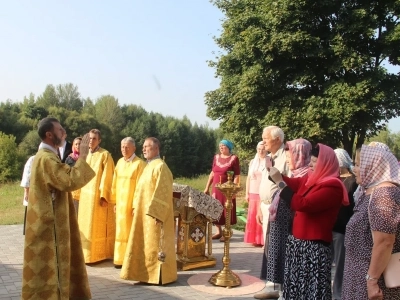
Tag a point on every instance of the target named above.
point(12, 210)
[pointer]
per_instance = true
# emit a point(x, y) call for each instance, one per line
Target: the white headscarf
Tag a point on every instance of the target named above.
point(256, 162)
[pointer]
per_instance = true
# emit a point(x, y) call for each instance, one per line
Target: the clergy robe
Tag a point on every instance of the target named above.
point(97, 223)
point(152, 199)
point(126, 176)
point(53, 266)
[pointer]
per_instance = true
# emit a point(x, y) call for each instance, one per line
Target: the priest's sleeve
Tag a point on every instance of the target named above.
point(106, 177)
point(161, 201)
point(65, 178)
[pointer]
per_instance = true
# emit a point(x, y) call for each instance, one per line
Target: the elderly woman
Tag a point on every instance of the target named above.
point(223, 162)
point(315, 199)
point(345, 213)
point(373, 232)
point(254, 232)
point(298, 158)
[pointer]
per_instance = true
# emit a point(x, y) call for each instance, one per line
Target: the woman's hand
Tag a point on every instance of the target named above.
point(374, 292)
point(206, 192)
point(275, 175)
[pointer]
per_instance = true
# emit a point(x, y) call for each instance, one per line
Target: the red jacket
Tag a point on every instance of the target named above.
point(315, 212)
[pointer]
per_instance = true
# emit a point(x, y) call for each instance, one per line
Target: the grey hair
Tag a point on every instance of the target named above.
point(128, 139)
point(275, 132)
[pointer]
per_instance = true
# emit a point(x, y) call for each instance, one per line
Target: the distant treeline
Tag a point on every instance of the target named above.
point(188, 148)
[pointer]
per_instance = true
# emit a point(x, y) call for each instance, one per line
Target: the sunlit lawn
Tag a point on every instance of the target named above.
point(11, 208)
point(12, 211)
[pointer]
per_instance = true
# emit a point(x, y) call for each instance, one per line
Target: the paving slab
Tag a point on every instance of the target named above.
point(104, 278)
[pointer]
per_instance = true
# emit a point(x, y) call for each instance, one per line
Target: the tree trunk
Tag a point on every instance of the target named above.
point(360, 138)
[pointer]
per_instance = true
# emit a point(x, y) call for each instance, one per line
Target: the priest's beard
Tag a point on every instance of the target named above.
point(56, 141)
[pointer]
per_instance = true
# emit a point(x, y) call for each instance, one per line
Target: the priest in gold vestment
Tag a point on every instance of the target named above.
point(53, 266)
point(150, 254)
point(126, 175)
point(96, 216)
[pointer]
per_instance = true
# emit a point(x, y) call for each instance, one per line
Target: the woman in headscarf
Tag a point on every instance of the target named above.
point(254, 232)
point(71, 160)
point(373, 232)
point(298, 158)
point(315, 199)
point(345, 213)
point(223, 162)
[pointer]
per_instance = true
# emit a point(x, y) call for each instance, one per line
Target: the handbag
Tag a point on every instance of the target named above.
point(391, 274)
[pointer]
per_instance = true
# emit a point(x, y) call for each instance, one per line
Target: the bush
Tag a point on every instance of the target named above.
point(10, 159)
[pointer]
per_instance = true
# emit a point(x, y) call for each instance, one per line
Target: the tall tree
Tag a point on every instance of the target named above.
point(69, 96)
point(48, 98)
point(315, 68)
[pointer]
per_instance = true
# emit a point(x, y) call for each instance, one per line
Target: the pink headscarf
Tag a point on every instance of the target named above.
point(300, 156)
point(327, 168)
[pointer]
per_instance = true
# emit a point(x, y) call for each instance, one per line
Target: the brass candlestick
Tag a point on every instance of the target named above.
point(225, 277)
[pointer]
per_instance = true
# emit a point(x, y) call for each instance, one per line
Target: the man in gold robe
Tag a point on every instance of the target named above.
point(126, 175)
point(53, 266)
point(96, 217)
point(150, 254)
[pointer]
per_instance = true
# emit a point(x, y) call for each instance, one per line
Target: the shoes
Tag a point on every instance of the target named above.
point(118, 266)
point(216, 236)
point(268, 295)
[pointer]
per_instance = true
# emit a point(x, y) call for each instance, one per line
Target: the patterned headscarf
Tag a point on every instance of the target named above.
point(227, 143)
point(344, 159)
point(300, 156)
point(360, 189)
point(377, 165)
point(327, 168)
point(379, 145)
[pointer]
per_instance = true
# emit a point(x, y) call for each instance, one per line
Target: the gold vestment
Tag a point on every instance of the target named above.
point(97, 223)
point(126, 176)
point(53, 266)
point(152, 199)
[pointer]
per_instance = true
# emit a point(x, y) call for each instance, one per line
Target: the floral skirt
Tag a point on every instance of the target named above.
point(307, 270)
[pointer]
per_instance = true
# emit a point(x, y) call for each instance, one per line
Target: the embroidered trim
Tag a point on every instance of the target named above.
point(227, 164)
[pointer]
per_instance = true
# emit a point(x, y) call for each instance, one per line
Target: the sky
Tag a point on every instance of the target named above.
point(151, 53)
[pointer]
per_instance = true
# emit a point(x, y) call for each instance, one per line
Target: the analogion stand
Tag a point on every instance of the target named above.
point(195, 212)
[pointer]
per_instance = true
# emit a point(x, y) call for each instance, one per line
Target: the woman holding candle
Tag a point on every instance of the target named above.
point(223, 162)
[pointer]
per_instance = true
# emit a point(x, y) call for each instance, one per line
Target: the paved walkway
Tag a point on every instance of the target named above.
point(104, 278)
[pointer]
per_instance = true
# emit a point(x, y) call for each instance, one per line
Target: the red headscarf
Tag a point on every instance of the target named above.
point(327, 168)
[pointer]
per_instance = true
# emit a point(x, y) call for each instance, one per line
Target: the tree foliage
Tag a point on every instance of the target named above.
point(10, 160)
point(314, 68)
point(187, 148)
point(389, 138)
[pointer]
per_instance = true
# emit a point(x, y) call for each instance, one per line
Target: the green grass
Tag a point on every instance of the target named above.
point(199, 183)
point(11, 208)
